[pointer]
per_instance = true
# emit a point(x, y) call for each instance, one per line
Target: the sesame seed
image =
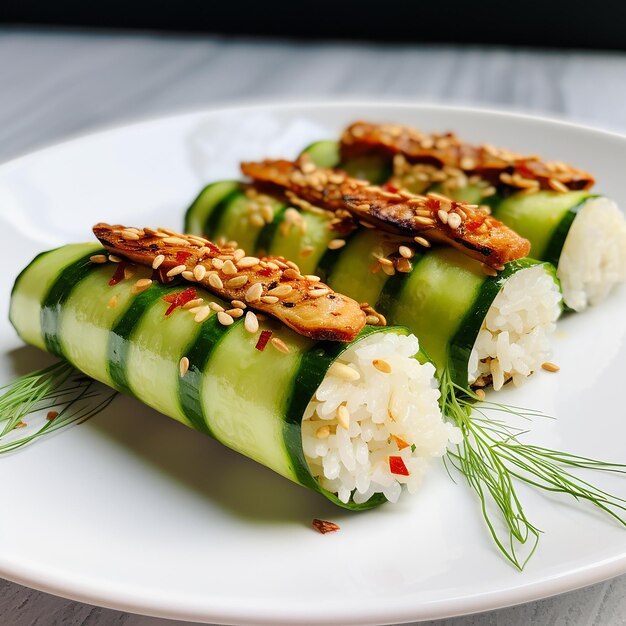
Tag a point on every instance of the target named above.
point(175, 241)
point(490, 271)
point(179, 269)
point(114, 258)
point(318, 293)
point(98, 258)
point(269, 299)
point(454, 220)
point(254, 292)
point(292, 265)
point(443, 216)
point(251, 323)
point(280, 345)
point(183, 366)
point(372, 320)
point(382, 366)
point(404, 265)
point(323, 432)
point(388, 269)
point(157, 261)
point(235, 313)
point(422, 241)
point(193, 303)
point(238, 255)
point(129, 236)
point(238, 304)
point(188, 275)
point(218, 264)
point(345, 372)
point(343, 416)
point(224, 319)
point(247, 261)
point(385, 261)
point(312, 278)
point(550, 367)
point(199, 272)
point(335, 244)
point(237, 281)
point(21, 425)
point(202, 314)
point(214, 306)
point(291, 274)
point(215, 281)
point(280, 291)
point(112, 303)
point(424, 221)
point(129, 272)
point(141, 285)
point(229, 268)
point(405, 252)
point(480, 394)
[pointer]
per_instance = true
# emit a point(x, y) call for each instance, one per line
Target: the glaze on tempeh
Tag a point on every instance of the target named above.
point(495, 165)
point(270, 285)
point(431, 218)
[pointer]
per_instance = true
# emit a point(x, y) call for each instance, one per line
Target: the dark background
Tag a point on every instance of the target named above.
point(552, 24)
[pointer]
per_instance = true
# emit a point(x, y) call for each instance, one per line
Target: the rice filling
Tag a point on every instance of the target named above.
point(593, 259)
point(374, 423)
point(514, 339)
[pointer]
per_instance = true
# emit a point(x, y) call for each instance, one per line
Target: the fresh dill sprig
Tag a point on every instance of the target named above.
point(74, 397)
point(492, 459)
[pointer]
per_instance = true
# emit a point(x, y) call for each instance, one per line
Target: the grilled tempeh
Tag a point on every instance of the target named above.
point(271, 285)
point(430, 218)
point(496, 165)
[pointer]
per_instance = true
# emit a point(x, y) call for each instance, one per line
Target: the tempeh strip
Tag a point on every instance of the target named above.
point(497, 165)
point(463, 226)
point(271, 285)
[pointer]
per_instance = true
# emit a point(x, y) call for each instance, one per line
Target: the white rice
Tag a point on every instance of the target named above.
point(355, 461)
point(514, 339)
point(593, 260)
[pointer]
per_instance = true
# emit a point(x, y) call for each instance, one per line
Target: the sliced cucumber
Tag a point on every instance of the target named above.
point(124, 339)
point(437, 300)
point(373, 167)
point(544, 218)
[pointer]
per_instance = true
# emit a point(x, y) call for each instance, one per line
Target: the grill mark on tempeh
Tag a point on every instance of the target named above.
point(466, 227)
point(334, 317)
point(496, 165)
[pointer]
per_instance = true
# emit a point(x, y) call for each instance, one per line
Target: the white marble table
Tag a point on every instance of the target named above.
point(55, 84)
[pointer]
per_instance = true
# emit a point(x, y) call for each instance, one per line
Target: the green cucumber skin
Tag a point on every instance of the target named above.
point(375, 168)
point(544, 218)
point(201, 209)
point(428, 307)
point(311, 359)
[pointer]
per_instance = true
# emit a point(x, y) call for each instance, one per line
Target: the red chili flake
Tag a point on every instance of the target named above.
point(397, 466)
point(51, 415)
point(179, 299)
point(324, 526)
point(400, 443)
point(118, 276)
point(263, 339)
point(265, 271)
point(472, 225)
point(433, 204)
point(391, 188)
point(524, 170)
point(181, 257)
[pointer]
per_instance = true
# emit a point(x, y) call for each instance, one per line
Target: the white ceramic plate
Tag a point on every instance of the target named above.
point(133, 511)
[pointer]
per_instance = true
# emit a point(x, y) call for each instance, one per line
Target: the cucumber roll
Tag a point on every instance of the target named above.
point(478, 324)
point(549, 203)
point(354, 420)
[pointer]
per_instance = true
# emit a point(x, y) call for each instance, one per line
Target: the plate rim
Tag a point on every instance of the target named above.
point(139, 602)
